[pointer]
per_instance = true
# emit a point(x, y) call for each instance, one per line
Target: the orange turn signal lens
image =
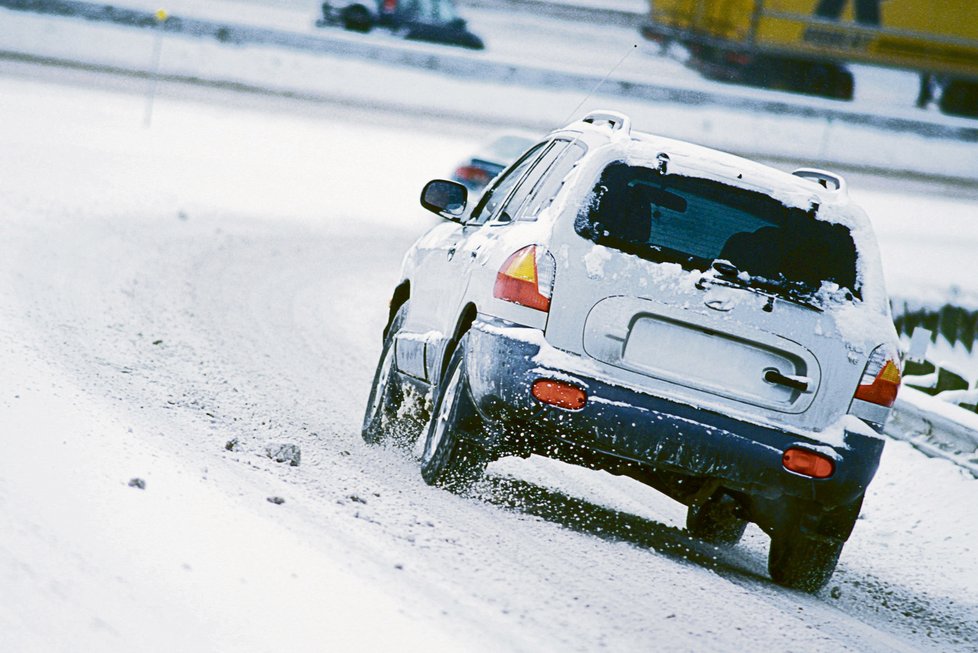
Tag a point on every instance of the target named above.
point(808, 463)
point(560, 394)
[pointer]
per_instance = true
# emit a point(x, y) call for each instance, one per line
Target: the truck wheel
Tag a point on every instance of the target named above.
point(384, 419)
point(827, 80)
point(357, 18)
point(716, 521)
point(803, 562)
point(960, 98)
point(449, 460)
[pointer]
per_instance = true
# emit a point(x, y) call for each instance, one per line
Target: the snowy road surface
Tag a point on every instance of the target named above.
point(224, 275)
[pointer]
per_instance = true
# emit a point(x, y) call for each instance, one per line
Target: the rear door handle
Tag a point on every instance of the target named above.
point(799, 383)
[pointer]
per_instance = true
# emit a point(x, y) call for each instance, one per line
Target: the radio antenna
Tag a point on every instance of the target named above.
point(598, 85)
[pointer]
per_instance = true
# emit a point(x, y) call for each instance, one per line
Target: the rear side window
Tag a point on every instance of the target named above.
point(546, 191)
point(530, 182)
point(494, 197)
point(694, 222)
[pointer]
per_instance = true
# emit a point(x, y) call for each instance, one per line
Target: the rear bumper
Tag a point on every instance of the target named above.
point(625, 423)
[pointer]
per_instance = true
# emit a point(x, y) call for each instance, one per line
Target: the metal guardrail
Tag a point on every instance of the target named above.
point(471, 65)
point(955, 323)
point(934, 434)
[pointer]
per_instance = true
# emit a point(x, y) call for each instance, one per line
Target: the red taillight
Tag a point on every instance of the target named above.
point(737, 58)
point(808, 463)
point(527, 278)
point(881, 379)
point(560, 394)
point(473, 175)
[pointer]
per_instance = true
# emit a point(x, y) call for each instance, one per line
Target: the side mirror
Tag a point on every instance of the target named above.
point(446, 198)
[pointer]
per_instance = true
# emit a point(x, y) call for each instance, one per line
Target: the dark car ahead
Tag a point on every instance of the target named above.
point(435, 21)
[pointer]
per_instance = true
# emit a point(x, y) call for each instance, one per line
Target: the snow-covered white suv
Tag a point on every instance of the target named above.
point(710, 326)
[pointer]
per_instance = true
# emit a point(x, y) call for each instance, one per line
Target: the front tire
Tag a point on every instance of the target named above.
point(803, 562)
point(386, 419)
point(449, 460)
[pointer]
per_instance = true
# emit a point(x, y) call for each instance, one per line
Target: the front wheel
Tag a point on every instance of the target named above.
point(803, 562)
point(449, 460)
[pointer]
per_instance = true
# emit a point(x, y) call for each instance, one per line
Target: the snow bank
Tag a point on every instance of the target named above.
point(535, 97)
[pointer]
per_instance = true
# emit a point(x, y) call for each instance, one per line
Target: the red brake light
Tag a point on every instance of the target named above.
point(737, 58)
point(473, 174)
point(526, 278)
point(808, 463)
point(558, 393)
point(881, 379)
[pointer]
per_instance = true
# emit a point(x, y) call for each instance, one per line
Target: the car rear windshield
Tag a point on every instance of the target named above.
point(695, 222)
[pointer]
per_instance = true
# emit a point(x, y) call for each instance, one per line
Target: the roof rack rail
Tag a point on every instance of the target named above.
point(617, 121)
point(823, 178)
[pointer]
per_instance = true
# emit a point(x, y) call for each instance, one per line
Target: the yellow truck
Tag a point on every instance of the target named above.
point(803, 45)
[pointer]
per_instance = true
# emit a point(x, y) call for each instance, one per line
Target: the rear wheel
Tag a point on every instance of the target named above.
point(716, 521)
point(450, 460)
point(387, 418)
point(357, 18)
point(803, 562)
point(960, 98)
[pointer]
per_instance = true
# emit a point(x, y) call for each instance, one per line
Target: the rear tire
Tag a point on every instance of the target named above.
point(384, 419)
point(357, 18)
point(449, 460)
point(716, 521)
point(960, 98)
point(803, 562)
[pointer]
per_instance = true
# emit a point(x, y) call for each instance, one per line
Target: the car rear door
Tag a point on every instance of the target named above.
point(686, 332)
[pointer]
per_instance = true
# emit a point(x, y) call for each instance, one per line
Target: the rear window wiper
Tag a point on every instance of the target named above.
point(727, 274)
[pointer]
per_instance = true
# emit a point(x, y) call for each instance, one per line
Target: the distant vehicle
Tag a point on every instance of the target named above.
point(707, 325)
point(491, 159)
point(436, 21)
point(803, 45)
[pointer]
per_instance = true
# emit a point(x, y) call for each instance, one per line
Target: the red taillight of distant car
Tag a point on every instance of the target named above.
point(881, 379)
point(808, 463)
point(527, 278)
point(473, 175)
point(559, 393)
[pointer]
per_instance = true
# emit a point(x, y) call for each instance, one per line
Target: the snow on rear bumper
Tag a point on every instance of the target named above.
point(504, 360)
